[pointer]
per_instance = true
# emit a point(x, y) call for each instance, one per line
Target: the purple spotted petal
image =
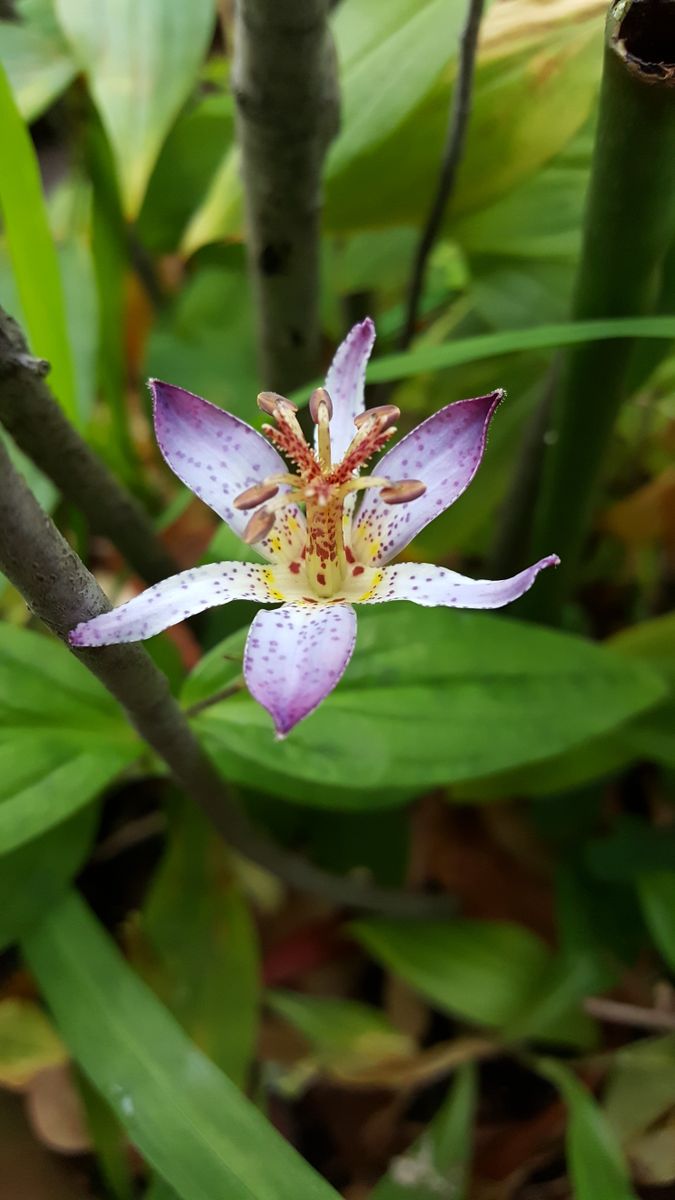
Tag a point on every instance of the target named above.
point(295, 655)
point(444, 452)
point(433, 586)
point(345, 383)
point(172, 600)
point(215, 454)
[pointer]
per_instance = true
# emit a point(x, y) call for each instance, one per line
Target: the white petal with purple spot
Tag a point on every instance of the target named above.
point(345, 383)
point(295, 656)
point(432, 586)
point(174, 599)
point(215, 454)
point(444, 452)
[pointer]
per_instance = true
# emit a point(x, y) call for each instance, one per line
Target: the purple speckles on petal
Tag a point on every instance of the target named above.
point(312, 648)
point(172, 600)
point(433, 587)
point(215, 454)
point(447, 447)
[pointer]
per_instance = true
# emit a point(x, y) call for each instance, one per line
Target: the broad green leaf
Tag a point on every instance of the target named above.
point(32, 252)
point(63, 785)
point(529, 102)
point(487, 972)
point(344, 1035)
point(491, 345)
point(192, 152)
point(62, 737)
point(28, 1043)
point(141, 59)
point(188, 1120)
point(431, 697)
point(205, 964)
point(33, 878)
point(205, 342)
point(656, 891)
point(36, 58)
point(436, 1167)
point(594, 1158)
point(386, 71)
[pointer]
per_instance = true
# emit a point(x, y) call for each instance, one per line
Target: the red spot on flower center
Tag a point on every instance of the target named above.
point(358, 570)
point(321, 579)
point(294, 567)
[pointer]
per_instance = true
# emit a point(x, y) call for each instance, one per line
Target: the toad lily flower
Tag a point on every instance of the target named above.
point(323, 553)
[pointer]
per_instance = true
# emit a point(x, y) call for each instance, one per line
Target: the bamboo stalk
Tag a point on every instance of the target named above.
point(629, 226)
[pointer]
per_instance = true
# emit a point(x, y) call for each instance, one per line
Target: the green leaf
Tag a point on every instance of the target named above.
point(141, 59)
point(206, 967)
point(431, 697)
point(656, 891)
point(490, 345)
point(190, 1123)
point(32, 251)
point(28, 1043)
point(486, 972)
point(510, 137)
point(437, 1164)
point(63, 785)
point(344, 1035)
point(389, 61)
point(62, 737)
point(205, 342)
point(49, 862)
point(595, 1162)
point(641, 1085)
point(36, 58)
point(192, 152)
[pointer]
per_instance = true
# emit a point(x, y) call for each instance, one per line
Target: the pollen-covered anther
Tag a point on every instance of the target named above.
point(320, 406)
point(254, 496)
point(272, 404)
point(384, 416)
point(403, 491)
point(258, 527)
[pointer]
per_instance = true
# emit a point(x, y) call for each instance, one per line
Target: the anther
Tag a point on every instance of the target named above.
point(403, 491)
point(272, 402)
point(254, 496)
point(319, 400)
point(258, 527)
point(385, 415)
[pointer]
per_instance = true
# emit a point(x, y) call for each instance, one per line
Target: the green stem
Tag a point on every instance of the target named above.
point(629, 225)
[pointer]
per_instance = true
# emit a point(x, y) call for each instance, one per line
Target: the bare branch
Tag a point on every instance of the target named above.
point(460, 111)
point(32, 416)
point(61, 592)
point(285, 85)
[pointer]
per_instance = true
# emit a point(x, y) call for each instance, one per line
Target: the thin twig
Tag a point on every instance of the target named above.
point(618, 1013)
point(60, 590)
point(460, 111)
point(37, 424)
point(209, 701)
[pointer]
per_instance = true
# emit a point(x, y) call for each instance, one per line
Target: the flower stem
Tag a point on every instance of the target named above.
point(31, 415)
point(285, 86)
point(629, 225)
point(59, 590)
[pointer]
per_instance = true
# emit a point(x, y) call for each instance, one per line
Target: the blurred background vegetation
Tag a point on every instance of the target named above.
point(523, 1048)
